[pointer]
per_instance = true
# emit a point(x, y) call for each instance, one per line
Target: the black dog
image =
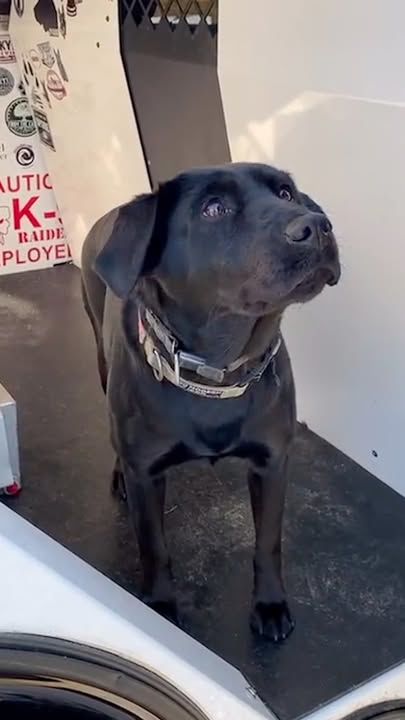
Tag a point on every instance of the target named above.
point(185, 289)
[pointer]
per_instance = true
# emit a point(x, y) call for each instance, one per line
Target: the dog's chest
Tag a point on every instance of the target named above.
point(206, 427)
point(218, 439)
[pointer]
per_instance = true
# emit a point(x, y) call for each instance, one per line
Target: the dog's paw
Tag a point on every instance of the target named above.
point(167, 609)
point(272, 621)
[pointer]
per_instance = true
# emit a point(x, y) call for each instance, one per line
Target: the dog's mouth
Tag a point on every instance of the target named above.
point(319, 278)
point(280, 296)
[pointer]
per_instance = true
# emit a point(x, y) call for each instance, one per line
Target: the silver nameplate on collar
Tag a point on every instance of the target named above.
point(196, 364)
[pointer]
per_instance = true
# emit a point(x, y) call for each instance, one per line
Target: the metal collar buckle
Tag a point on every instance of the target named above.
point(197, 365)
point(158, 371)
point(269, 359)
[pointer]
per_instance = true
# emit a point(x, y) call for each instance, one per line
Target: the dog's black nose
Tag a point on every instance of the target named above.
point(311, 228)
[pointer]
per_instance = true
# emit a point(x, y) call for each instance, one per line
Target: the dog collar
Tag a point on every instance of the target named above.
point(170, 370)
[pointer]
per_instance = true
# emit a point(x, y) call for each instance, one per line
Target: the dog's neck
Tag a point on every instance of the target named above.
point(219, 337)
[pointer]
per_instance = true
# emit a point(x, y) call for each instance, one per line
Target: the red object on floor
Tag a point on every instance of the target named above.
point(13, 490)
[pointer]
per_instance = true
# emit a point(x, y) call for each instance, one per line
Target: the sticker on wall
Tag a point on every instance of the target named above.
point(35, 58)
point(36, 99)
point(4, 223)
point(71, 8)
point(55, 85)
point(25, 156)
point(29, 228)
point(6, 81)
point(7, 54)
point(62, 21)
point(44, 131)
point(28, 71)
point(46, 52)
point(46, 15)
point(21, 88)
point(45, 94)
point(19, 7)
point(19, 119)
point(61, 66)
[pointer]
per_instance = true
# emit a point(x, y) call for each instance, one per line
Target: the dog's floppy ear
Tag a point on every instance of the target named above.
point(120, 262)
point(311, 204)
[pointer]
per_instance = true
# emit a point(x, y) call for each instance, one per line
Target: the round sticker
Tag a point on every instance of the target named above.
point(55, 85)
point(6, 81)
point(19, 119)
point(24, 155)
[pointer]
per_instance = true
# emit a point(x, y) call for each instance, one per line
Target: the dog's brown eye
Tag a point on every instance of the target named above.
point(285, 193)
point(214, 208)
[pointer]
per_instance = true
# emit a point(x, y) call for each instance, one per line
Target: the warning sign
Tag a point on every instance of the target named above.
point(31, 230)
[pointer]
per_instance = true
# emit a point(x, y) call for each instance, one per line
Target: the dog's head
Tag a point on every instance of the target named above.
point(241, 238)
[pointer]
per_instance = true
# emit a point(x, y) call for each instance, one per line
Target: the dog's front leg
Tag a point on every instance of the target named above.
point(146, 498)
point(270, 613)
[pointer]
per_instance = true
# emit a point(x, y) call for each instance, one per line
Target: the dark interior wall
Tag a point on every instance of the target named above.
point(169, 51)
point(5, 7)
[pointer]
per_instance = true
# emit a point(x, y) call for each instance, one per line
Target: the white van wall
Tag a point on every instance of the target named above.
point(317, 88)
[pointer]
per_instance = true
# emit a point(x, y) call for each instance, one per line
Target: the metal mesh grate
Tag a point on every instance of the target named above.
point(194, 14)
